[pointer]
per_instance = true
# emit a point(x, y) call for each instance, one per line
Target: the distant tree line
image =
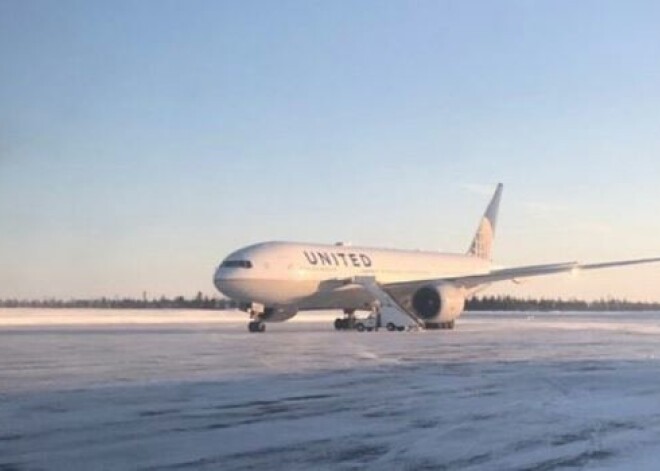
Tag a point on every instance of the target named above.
point(178, 302)
point(509, 303)
point(479, 303)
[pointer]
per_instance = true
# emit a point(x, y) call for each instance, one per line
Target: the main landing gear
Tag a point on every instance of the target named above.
point(346, 323)
point(449, 325)
point(256, 326)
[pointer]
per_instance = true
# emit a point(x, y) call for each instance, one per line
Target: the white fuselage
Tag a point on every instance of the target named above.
point(313, 276)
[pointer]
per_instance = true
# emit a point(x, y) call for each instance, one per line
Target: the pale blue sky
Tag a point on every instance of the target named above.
point(140, 142)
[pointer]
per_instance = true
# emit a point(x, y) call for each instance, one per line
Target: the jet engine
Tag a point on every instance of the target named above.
point(438, 303)
point(278, 314)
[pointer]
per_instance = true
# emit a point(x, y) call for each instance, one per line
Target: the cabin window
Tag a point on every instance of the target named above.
point(236, 264)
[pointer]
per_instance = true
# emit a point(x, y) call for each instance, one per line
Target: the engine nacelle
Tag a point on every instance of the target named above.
point(278, 314)
point(438, 303)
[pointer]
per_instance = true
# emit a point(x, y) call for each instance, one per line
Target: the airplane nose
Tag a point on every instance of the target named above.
point(230, 286)
point(219, 280)
point(226, 282)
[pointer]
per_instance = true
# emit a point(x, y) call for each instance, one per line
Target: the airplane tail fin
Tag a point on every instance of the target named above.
point(482, 244)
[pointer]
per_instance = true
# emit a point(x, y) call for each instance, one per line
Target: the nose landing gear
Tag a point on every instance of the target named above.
point(256, 323)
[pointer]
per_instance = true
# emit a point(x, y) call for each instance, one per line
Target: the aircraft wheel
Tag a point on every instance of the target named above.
point(359, 327)
point(401, 328)
point(390, 327)
point(256, 326)
point(339, 324)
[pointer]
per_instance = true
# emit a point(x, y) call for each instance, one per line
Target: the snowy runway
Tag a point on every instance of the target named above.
point(190, 390)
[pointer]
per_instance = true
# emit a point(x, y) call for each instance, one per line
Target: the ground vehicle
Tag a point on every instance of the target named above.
point(388, 319)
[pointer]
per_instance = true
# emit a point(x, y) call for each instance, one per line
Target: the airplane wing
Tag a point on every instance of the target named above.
point(471, 281)
point(399, 295)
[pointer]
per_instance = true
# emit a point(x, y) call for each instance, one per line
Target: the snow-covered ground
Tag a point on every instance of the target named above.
point(194, 390)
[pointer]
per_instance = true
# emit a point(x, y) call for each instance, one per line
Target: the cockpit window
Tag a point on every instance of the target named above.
point(236, 264)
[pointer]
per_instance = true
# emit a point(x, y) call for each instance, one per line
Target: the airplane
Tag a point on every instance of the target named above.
point(273, 281)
